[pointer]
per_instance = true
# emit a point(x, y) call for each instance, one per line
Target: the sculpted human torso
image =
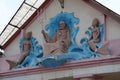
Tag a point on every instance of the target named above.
point(63, 36)
point(26, 45)
point(95, 35)
point(60, 42)
point(95, 38)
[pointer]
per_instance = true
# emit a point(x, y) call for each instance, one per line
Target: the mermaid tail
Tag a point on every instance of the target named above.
point(11, 64)
point(104, 49)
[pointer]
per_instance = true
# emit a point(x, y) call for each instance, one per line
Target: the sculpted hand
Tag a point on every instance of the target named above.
point(43, 32)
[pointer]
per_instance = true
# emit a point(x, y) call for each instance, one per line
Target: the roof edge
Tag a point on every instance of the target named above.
point(92, 3)
point(98, 6)
point(40, 9)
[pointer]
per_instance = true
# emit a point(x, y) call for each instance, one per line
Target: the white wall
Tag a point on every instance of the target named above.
point(82, 11)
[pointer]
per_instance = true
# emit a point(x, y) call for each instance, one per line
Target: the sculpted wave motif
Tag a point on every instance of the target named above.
point(95, 35)
point(60, 46)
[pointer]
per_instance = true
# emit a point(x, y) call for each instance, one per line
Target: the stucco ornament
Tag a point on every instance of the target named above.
point(92, 44)
point(60, 47)
point(95, 36)
point(61, 3)
point(30, 50)
point(36, 51)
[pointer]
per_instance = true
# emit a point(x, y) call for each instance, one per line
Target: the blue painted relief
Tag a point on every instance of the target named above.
point(89, 34)
point(36, 51)
point(85, 46)
point(69, 19)
point(74, 51)
point(52, 27)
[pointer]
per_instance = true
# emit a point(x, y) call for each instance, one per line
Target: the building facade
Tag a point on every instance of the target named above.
point(105, 67)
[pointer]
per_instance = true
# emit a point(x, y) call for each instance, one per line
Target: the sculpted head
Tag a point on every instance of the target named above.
point(95, 22)
point(28, 35)
point(62, 25)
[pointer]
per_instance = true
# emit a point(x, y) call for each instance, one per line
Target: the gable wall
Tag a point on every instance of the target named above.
point(81, 10)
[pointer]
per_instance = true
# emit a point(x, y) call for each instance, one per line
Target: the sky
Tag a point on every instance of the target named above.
point(9, 7)
point(111, 4)
point(7, 10)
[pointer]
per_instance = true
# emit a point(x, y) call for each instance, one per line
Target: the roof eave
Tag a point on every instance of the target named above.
point(92, 3)
point(40, 10)
point(103, 9)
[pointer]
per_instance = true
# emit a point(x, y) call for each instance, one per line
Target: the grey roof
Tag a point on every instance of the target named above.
point(27, 8)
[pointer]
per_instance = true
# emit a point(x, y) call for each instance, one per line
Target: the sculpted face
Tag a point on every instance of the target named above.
point(62, 24)
point(28, 35)
point(95, 22)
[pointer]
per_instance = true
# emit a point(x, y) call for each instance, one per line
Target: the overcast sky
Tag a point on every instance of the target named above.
point(112, 4)
point(9, 7)
point(7, 10)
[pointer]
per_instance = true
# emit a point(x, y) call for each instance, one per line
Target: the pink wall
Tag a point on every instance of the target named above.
point(114, 46)
point(4, 65)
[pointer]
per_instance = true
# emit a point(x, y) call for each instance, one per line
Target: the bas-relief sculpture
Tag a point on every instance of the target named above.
point(30, 50)
point(93, 43)
point(60, 45)
point(63, 22)
point(95, 38)
point(91, 47)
